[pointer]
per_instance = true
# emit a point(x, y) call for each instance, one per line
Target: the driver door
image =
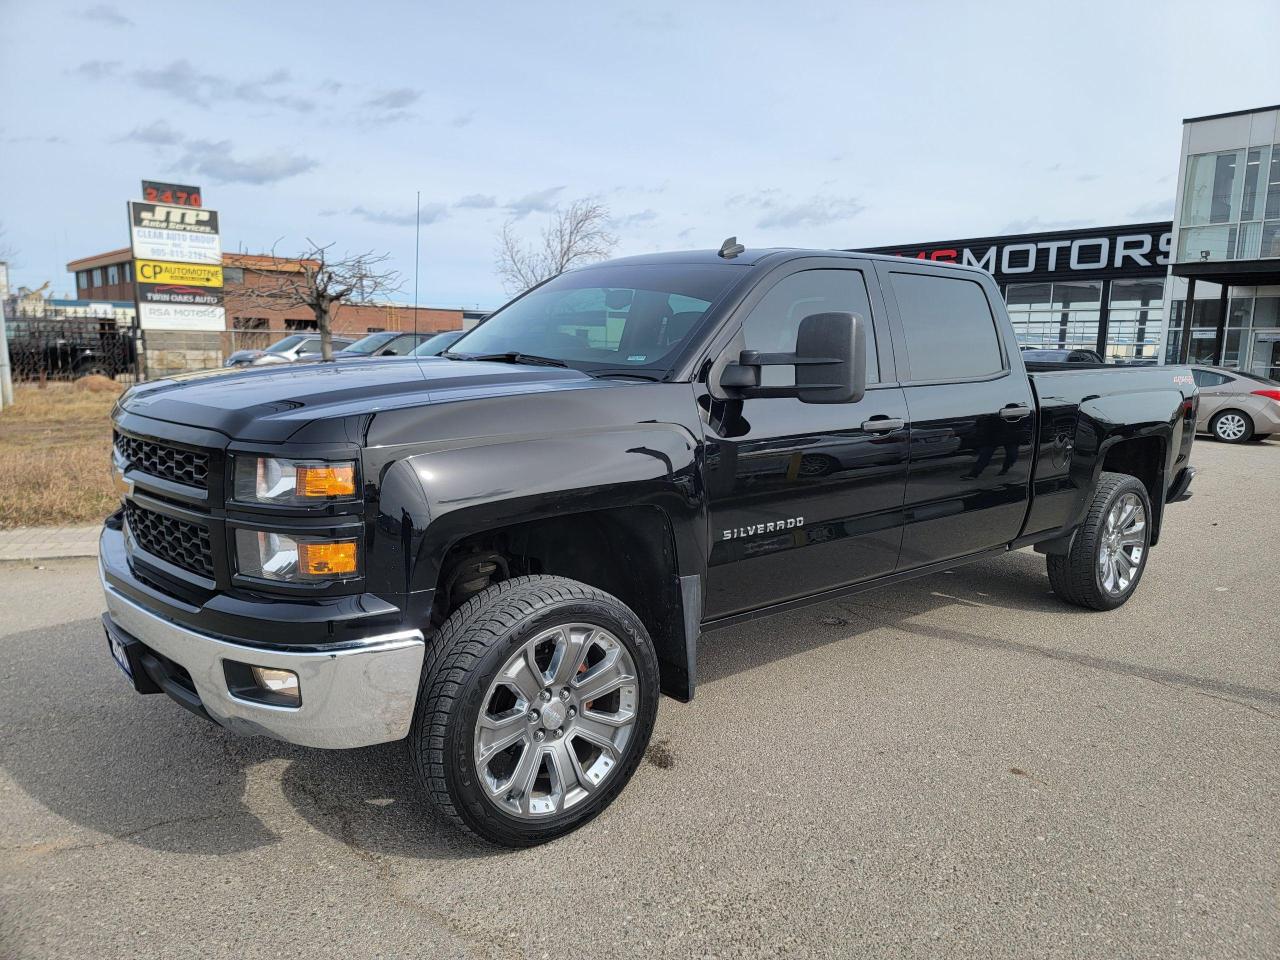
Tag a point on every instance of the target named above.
point(805, 497)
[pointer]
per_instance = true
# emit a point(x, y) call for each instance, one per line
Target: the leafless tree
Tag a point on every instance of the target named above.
point(577, 234)
point(321, 282)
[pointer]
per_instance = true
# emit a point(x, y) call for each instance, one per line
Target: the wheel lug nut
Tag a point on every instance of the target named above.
point(545, 695)
point(558, 734)
point(564, 694)
point(533, 716)
point(538, 735)
point(573, 712)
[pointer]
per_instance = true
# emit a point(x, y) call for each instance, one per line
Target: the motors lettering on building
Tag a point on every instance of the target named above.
point(1073, 252)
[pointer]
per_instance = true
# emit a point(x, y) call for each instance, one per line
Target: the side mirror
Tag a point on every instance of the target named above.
point(830, 363)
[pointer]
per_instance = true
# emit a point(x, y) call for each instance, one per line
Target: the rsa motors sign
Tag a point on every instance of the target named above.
point(1132, 251)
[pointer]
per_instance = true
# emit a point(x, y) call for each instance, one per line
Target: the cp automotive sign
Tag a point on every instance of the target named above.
point(191, 274)
point(169, 232)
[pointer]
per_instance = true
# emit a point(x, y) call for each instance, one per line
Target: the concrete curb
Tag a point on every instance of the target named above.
point(49, 543)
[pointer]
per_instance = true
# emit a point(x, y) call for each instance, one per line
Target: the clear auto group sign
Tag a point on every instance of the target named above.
point(177, 260)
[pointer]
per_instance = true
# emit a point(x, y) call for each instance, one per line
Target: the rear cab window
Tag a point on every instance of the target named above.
point(950, 329)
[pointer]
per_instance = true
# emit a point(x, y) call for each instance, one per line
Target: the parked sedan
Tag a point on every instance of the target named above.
point(1235, 406)
point(297, 346)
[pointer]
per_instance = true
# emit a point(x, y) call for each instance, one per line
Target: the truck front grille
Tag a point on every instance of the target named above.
point(175, 541)
point(169, 463)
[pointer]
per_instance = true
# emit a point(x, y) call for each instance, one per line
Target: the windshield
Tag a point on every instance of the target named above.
point(433, 346)
point(625, 318)
point(370, 343)
point(285, 345)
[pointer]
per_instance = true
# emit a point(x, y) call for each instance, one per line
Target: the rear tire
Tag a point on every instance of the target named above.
point(515, 663)
point(1109, 551)
point(1231, 426)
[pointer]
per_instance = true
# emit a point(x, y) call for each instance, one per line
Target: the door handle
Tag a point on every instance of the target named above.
point(883, 424)
point(1015, 411)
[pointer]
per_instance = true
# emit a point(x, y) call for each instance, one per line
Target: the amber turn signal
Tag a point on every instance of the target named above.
point(327, 559)
point(338, 480)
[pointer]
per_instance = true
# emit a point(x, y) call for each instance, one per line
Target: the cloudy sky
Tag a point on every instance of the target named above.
point(800, 124)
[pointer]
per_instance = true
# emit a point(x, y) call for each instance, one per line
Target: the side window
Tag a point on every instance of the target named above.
point(1205, 378)
point(774, 322)
point(398, 347)
point(309, 346)
point(950, 331)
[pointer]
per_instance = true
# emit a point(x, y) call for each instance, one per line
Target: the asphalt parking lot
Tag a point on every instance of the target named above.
point(961, 766)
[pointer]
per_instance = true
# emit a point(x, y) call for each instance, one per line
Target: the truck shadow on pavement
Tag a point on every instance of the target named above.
point(139, 770)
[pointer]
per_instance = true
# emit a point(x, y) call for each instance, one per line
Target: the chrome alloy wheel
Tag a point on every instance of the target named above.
point(1230, 426)
point(1123, 542)
point(556, 720)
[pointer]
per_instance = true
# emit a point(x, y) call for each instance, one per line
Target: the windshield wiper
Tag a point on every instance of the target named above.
point(511, 356)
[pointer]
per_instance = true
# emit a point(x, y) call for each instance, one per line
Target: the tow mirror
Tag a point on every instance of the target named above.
point(830, 363)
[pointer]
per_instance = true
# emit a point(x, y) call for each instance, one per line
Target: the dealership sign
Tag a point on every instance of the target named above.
point(179, 293)
point(192, 274)
point(161, 231)
point(1142, 250)
point(179, 316)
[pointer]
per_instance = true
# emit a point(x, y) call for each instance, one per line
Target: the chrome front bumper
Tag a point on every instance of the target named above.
point(352, 696)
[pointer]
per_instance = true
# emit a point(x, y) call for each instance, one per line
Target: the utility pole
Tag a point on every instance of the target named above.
point(6, 372)
point(417, 230)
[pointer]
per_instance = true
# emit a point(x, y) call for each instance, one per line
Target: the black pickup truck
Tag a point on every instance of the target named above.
point(506, 553)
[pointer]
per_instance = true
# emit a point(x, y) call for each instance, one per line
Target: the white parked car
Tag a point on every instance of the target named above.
point(296, 346)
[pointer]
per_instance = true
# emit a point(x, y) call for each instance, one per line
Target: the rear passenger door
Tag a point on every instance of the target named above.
point(971, 409)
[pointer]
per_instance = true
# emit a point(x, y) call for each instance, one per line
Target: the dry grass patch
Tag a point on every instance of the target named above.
point(55, 449)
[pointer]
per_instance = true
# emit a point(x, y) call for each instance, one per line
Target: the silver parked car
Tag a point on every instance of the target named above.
point(296, 346)
point(1235, 406)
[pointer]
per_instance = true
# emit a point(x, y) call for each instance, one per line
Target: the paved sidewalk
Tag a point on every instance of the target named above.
point(49, 543)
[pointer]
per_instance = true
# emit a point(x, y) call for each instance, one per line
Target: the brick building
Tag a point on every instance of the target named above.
point(250, 325)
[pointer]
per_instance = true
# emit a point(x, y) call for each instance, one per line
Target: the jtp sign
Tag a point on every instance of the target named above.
point(177, 259)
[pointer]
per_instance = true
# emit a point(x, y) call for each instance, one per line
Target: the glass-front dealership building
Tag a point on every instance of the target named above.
point(1112, 289)
point(1098, 289)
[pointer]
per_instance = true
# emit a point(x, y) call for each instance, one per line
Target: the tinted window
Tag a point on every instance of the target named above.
point(310, 346)
point(399, 347)
point(951, 334)
point(1206, 378)
point(774, 322)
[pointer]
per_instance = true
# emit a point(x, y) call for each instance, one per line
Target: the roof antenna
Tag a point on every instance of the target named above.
point(731, 248)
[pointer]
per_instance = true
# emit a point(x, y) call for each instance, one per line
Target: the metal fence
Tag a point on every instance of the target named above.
point(47, 348)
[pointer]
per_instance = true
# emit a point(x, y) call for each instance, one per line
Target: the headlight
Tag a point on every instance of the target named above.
point(277, 480)
point(295, 559)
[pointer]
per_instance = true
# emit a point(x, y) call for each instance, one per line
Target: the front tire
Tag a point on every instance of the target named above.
point(1109, 552)
point(1231, 426)
point(538, 698)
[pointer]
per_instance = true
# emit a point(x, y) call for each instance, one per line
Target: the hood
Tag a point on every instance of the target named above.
point(271, 403)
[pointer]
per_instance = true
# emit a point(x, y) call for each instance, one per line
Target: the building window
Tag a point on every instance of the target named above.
point(233, 275)
point(1135, 321)
point(293, 324)
point(97, 277)
point(128, 272)
point(1231, 205)
point(1061, 316)
point(113, 274)
point(82, 279)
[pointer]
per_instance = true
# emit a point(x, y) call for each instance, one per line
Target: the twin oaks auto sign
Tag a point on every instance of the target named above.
point(177, 261)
